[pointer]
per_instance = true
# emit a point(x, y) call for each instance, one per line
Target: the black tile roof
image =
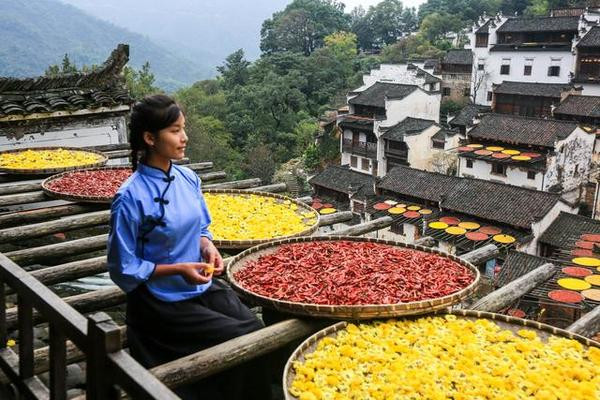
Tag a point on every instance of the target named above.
point(519, 130)
point(458, 56)
point(511, 205)
point(531, 47)
point(375, 95)
point(344, 180)
point(408, 126)
point(591, 38)
point(567, 229)
point(540, 24)
point(516, 265)
point(430, 63)
point(429, 78)
point(467, 114)
point(485, 28)
point(533, 88)
point(577, 105)
point(354, 122)
point(104, 87)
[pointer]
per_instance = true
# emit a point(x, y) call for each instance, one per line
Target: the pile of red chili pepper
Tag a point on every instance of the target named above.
point(352, 273)
point(93, 183)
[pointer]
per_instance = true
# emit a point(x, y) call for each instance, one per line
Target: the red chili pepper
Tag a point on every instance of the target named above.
point(348, 273)
point(98, 183)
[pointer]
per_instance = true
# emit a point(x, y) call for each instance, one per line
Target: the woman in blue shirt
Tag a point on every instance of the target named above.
point(160, 253)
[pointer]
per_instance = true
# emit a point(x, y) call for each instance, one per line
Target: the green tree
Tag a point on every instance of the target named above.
point(466, 10)
point(259, 163)
point(435, 26)
point(234, 71)
point(302, 26)
point(415, 46)
point(140, 82)
point(66, 67)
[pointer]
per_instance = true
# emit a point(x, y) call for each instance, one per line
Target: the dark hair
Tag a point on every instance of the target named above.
point(151, 114)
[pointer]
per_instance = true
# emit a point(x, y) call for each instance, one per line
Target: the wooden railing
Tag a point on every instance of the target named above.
point(367, 149)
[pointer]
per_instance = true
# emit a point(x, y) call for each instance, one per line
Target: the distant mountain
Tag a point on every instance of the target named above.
point(37, 33)
point(207, 30)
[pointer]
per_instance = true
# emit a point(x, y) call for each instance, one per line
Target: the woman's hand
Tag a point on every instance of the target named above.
point(194, 273)
point(211, 255)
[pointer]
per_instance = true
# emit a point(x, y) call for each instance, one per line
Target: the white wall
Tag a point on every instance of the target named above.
point(418, 104)
point(420, 151)
point(571, 161)
point(514, 175)
point(345, 159)
point(539, 227)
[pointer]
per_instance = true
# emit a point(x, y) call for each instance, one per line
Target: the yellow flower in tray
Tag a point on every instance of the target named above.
point(446, 357)
point(255, 217)
point(48, 159)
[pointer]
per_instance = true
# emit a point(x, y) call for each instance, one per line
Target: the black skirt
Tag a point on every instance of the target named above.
point(159, 332)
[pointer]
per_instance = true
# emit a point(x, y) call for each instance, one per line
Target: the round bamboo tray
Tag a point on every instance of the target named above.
point(246, 244)
point(50, 171)
point(504, 321)
point(75, 197)
point(355, 312)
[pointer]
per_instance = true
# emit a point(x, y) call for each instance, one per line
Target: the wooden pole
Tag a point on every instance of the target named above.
point(508, 294)
point(305, 199)
point(482, 254)
point(274, 188)
point(336, 218)
point(213, 176)
point(243, 184)
point(588, 325)
point(366, 227)
point(234, 352)
point(42, 214)
point(20, 187)
point(22, 198)
point(60, 225)
point(72, 247)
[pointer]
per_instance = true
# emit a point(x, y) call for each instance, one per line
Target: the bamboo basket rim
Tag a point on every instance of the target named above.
point(363, 311)
point(305, 347)
point(246, 244)
point(47, 171)
point(75, 197)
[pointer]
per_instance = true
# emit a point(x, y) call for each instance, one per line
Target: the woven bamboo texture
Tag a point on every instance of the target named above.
point(74, 197)
point(504, 321)
point(246, 244)
point(356, 312)
point(50, 171)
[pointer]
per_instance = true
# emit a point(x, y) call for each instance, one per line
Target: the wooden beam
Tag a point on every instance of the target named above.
point(588, 325)
point(360, 229)
point(508, 294)
point(42, 214)
point(20, 187)
point(482, 254)
point(83, 303)
point(60, 225)
point(213, 176)
point(72, 247)
point(305, 199)
point(274, 188)
point(332, 219)
point(22, 198)
point(234, 352)
point(243, 184)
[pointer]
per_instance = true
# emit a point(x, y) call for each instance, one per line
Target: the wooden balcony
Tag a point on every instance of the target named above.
point(367, 149)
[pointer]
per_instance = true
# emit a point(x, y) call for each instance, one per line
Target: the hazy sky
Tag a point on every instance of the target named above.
point(350, 4)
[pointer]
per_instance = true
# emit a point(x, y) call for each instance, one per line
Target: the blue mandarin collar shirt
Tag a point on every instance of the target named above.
point(157, 217)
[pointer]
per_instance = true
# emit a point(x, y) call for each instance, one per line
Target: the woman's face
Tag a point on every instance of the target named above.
point(171, 141)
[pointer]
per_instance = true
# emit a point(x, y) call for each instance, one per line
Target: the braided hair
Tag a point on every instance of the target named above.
point(151, 114)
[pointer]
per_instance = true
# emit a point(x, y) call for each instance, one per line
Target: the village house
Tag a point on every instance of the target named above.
point(487, 207)
point(551, 50)
point(455, 69)
point(540, 154)
point(467, 117)
point(413, 73)
point(407, 114)
point(530, 99)
point(80, 109)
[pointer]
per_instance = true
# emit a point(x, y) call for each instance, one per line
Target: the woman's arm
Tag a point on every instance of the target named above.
point(193, 273)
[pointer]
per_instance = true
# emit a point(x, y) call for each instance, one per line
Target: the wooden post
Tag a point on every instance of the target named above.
point(43, 214)
point(104, 337)
point(58, 364)
point(21, 198)
point(72, 247)
point(361, 229)
point(588, 325)
point(3, 330)
point(25, 324)
point(508, 294)
point(481, 255)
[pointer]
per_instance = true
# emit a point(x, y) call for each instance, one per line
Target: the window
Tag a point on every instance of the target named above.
point(504, 69)
point(364, 164)
point(498, 169)
point(490, 96)
point(481, 40)
point(397, 228)
point(469, 163)
point(466, 91)
point(527, 70)
point(554, 70)
point(437, 144)
point(480, 67)
point(353, 161)
point(531, 175)
point(446, 91)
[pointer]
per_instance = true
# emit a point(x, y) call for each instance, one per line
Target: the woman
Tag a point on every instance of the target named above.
point(161, 254)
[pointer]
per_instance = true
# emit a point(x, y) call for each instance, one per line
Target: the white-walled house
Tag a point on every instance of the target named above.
point(413, 73)
point(522, 213)
point(552, 50)
point(540, 154)
point(80, 110)
point(377, 109)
